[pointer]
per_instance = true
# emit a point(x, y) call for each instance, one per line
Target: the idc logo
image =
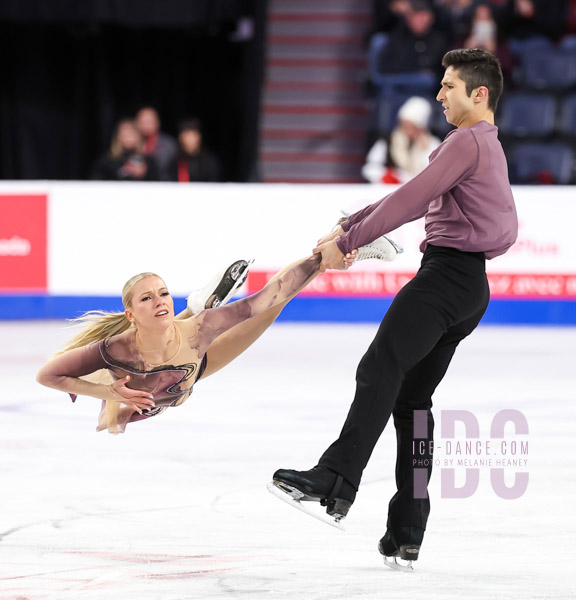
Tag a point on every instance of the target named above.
point(503, 456)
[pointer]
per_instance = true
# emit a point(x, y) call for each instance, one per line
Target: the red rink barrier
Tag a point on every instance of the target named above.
point(378, 283)
point(23, 256)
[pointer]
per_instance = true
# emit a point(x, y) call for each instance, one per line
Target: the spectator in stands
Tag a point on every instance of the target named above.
point(125, 161)
point(194, 162)
point(477, 24)
point(406, 152)
point(454, 17)
point(415, 44)
point(387, 14)
point(483, 31)
point(571, 20)
point(157, 144)
point(530, 18)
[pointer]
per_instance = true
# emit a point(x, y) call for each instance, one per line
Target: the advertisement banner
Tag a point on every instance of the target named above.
point(380, 283)
point(23, 257)
point(80, 259)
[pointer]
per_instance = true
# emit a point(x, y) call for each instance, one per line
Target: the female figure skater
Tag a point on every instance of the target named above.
point(151, 359)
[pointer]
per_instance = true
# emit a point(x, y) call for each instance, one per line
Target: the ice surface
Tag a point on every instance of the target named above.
point(177, 507)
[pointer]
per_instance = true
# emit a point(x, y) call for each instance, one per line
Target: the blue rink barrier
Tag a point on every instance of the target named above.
point(303, 309)
point(370, 310)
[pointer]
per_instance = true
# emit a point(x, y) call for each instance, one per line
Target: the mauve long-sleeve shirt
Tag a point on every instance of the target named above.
point(464, 194)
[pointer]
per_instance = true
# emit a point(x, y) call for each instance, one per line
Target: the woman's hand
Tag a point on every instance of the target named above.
point(136, 167)
point(331, 236)
point(136, 399)
point(350, 258)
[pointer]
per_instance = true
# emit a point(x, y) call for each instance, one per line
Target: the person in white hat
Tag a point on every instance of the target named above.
point(407, 151)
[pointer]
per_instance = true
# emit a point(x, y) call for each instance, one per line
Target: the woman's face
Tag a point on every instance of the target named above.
point(411, 131)
point(151, 305)
point(128, 136)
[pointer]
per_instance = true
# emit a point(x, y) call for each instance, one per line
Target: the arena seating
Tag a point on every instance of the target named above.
point(541, 163)
point(536, 116)
point(527, 115)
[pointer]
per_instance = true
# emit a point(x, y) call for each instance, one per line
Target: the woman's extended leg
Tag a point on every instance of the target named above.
point(234, 342)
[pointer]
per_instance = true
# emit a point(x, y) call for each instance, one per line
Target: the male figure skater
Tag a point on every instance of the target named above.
point(465, 196)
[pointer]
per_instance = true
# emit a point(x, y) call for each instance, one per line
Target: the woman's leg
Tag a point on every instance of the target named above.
point(231, 344)
point(234, 342)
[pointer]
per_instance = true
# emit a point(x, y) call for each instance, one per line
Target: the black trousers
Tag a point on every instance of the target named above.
point(406, 361)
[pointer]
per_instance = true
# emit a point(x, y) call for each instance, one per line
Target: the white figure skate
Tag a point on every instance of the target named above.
point(220, 288)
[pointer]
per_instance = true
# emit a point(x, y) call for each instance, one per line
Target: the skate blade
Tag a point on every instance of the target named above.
point(239, 271)
point(294, 498)
point(404, 566)
point(229, 283)
point(397, 247)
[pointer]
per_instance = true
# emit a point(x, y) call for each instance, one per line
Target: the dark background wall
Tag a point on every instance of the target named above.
point(70, 70)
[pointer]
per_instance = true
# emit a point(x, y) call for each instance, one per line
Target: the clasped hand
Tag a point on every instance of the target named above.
point(332, 256)
point(136, 399)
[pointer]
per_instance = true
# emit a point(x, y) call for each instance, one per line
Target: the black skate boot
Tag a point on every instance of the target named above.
point(319, 484)
point(403, 543)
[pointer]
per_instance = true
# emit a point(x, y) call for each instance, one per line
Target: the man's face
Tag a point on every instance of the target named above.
point(148, 122)
point(420, 22)
point(457, 104)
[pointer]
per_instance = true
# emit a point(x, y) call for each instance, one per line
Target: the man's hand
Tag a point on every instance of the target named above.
point(332, 257)
point(136, 399)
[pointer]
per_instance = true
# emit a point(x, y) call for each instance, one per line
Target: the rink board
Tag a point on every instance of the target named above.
point(67, 247)
point(335, 310)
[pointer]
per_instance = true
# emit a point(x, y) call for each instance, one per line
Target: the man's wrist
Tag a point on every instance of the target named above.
point(340, 244)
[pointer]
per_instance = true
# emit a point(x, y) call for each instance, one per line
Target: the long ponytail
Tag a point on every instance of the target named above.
point(99, 324)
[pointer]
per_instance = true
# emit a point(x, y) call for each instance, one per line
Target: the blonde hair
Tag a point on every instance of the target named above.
point(99, 324)
point(116, 149)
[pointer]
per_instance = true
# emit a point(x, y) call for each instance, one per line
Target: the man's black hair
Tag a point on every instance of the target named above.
point(190, 124)
point(477, 67)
